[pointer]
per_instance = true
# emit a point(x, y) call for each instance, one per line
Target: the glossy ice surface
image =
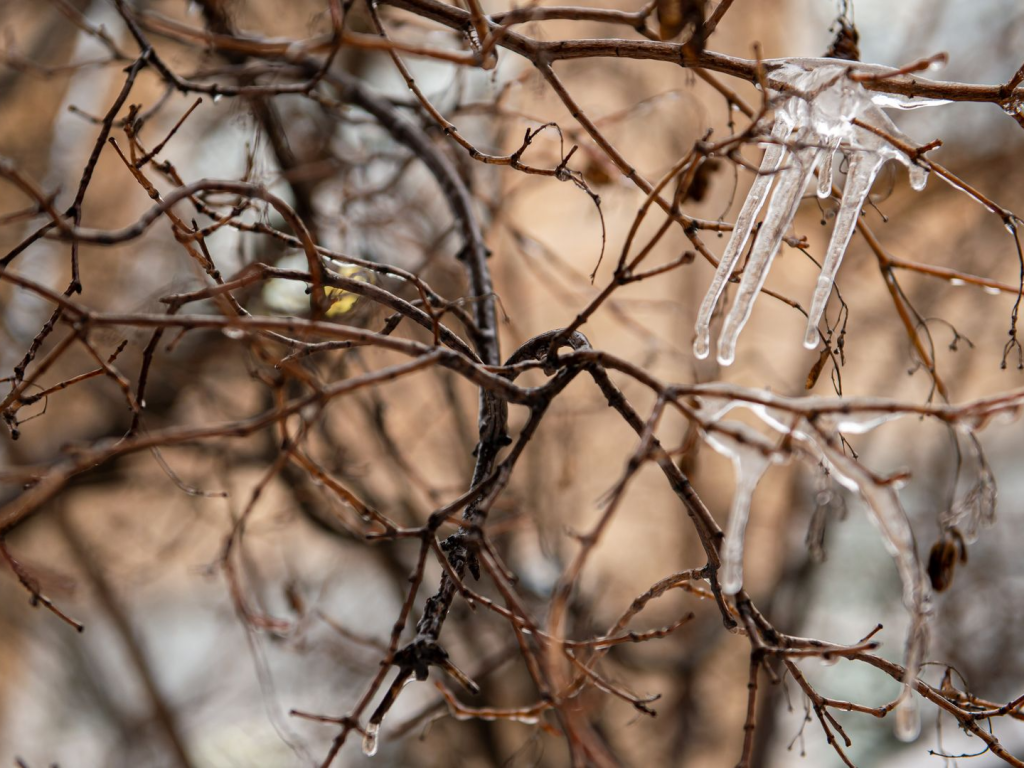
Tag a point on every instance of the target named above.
point(816, 105)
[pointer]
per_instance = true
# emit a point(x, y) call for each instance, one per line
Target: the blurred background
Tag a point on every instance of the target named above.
point(167, 674)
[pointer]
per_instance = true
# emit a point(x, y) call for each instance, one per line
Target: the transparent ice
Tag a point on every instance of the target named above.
point(816, 442)
point(816, 104)
point(809, 429)
point(370, 739)
point(976, 507)
point(751, 456)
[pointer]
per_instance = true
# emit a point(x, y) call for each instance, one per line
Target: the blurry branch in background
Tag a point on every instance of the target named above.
point(462, 340)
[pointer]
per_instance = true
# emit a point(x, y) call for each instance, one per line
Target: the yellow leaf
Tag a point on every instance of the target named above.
point(342, 301)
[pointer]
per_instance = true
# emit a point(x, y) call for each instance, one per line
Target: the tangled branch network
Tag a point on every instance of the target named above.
point(304, 366)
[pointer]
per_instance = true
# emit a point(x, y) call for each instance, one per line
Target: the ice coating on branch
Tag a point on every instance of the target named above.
point(861, 422)
point(815, 441)
point(887, 514)
point(898, 101)
point(882, 99)
point(816, 104)
point(975, 508)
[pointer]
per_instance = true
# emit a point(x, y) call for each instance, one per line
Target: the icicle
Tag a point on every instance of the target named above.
point(859, 178)
point(750, 466)
point(740, 234)
point(918, 176)
point(789, 187)
point(751, 455)
point(908, 718)
point(370, 739)
point(887, 515)
point(874, 143)
point(864, 167)
point(825, 173)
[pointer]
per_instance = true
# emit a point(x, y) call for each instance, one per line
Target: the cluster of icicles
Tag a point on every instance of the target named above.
point(816, 103)
point(816, 442)
point(815, 106)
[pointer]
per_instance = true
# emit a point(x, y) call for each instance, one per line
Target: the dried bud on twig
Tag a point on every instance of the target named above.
point(844, 46)
point(943, 559)
point(674, 16)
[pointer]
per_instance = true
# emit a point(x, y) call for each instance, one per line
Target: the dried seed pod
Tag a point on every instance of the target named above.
point(817, 368)
point(599, 172)
point(676, 15)
point(845, 45)
point(702, 180)
point(670, 18)
point(943, 558)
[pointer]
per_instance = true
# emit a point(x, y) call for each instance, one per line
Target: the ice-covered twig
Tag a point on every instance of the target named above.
point(813, 436)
